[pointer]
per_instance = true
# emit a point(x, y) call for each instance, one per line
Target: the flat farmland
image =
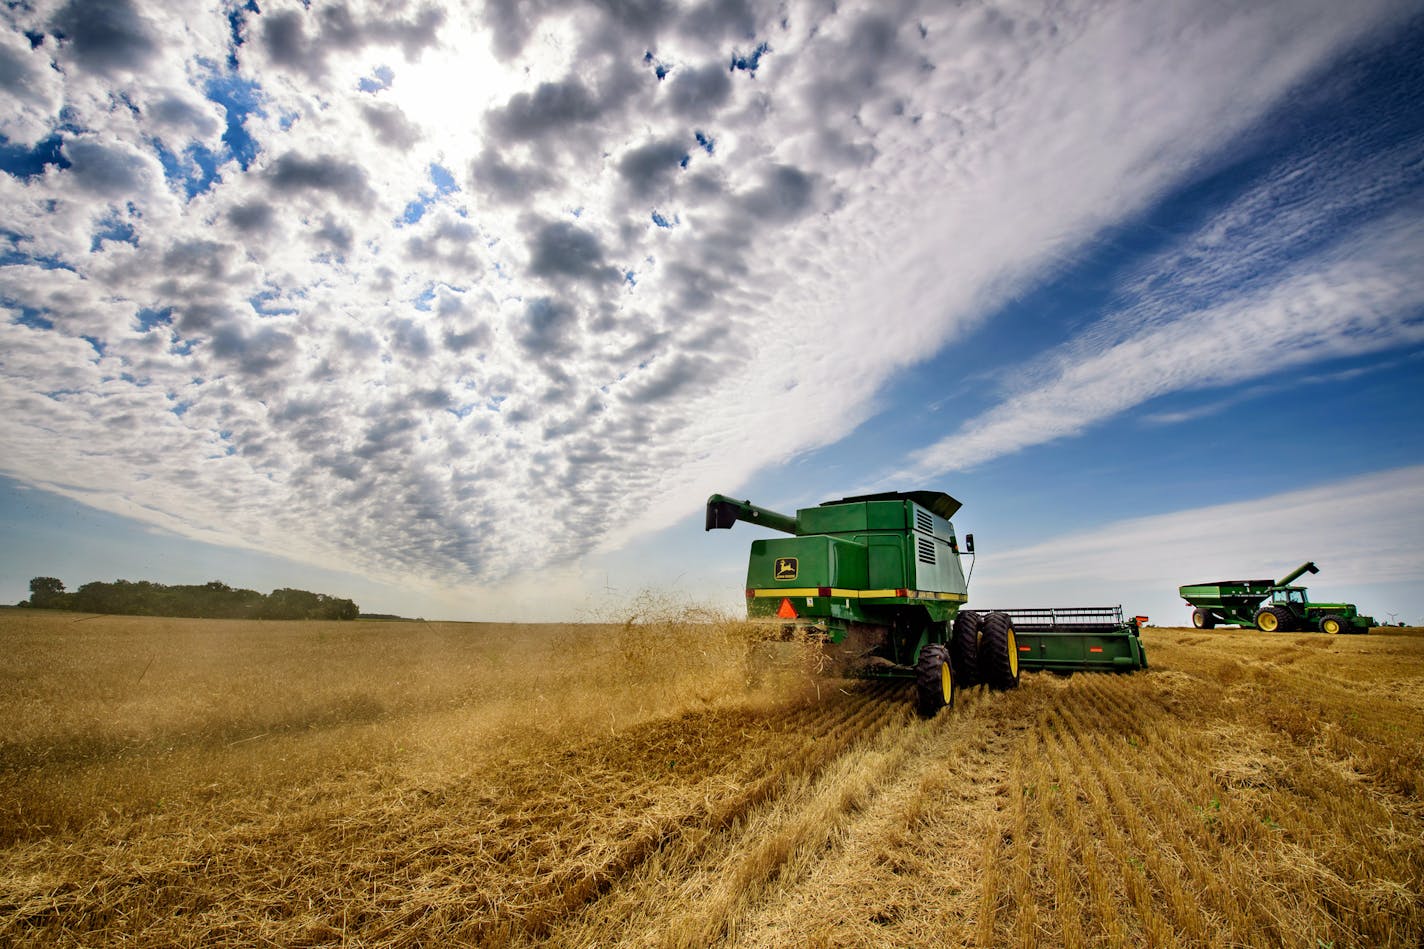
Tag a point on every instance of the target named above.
point(197, 782)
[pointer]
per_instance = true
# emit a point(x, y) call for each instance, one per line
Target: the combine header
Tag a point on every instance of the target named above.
point(1076, 638)
point(1243, 603)
point(877, 579)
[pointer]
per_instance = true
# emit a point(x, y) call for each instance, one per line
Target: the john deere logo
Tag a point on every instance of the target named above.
point(786, 568)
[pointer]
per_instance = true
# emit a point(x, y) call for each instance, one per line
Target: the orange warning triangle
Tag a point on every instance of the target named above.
point(787, 611)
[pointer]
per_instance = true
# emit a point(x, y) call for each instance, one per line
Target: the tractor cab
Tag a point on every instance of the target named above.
point(1289, 596)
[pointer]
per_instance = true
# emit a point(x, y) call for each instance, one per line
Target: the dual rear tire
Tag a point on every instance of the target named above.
point(999, 652)
point(984, 650)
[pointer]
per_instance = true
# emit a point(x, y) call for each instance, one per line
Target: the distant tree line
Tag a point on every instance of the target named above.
point(214, 600)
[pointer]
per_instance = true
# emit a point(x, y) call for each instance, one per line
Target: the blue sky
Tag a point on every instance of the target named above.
point(462, 313)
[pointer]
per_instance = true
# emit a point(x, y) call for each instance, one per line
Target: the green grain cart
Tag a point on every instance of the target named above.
point(877, 579)
point(1270, 606)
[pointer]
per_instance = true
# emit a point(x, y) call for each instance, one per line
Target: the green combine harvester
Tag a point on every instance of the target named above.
point(1244, 603)
point(877, 580)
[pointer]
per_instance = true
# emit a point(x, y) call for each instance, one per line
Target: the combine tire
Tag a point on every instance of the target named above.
point(934, 680)
point(999, 652)
point(1332, 624)
point(964, 647)
point(1273, 619)
point(1202, 619)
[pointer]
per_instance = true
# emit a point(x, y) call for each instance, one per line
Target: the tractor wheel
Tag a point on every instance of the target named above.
point(999, 652)
point(1273, 619)
point(1202, 619)
point(1332, 624)
point(964, 647)
point(934, 680)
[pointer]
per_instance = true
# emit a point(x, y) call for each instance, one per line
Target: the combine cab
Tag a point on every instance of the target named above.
point(878, 580)
point(1270, 606)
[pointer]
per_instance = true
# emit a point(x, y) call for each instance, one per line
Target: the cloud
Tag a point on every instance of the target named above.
point(549, 328)
point(391, 126)
point(1303, 268)
point(109, 170)
point(253, 217)
point(552, 107)
point(562, 249)
point(105, 36)
point(648, 168)
point(783, 194)
point(698, 93)
point(339, 177)
point(31, 92)
point(304, 40)
point(1361, 530)
point(315, 346)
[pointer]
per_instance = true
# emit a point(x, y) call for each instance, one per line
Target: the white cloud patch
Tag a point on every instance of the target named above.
point(1362, 532)
point(382, 285)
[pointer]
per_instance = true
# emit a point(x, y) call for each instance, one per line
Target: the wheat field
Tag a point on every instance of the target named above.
point(185, 782)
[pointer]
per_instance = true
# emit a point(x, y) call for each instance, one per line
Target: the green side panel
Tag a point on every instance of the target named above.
point(1343, 609)
point(886, 515)
point(1105, 652)
point(816, 561)
point(936, 565)
point(886, 562)
point(852, 518)
point(832, 519)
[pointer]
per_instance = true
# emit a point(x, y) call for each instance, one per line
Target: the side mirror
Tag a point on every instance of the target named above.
point(969, 543)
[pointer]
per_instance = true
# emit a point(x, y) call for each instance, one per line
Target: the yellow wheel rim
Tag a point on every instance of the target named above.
point(946, 682)
point(1268, 622)
point(1332, 626)
point(1013, 654)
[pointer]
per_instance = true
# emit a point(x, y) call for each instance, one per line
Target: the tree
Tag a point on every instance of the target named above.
point(46, 592)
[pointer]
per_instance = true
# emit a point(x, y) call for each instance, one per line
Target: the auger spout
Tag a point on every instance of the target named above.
point(1308, 566)
point(723, 512)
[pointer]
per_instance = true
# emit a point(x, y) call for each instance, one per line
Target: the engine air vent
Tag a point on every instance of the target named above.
point(925, 550)
point(923, 521)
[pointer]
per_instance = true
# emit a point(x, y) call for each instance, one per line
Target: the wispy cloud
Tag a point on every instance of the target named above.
point(1364, 530)
point(1306, 267)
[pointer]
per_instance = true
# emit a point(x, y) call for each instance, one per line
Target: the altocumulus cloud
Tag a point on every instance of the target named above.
point(382, 284)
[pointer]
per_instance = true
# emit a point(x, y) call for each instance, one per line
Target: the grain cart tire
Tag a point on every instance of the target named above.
point(1202, 619)
point(999, 652)
point(964, 647)
point(934, 680)
point(1332, 624)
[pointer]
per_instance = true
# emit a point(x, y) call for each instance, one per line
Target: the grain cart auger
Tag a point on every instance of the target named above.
point(876, 579)
point(1244, 603)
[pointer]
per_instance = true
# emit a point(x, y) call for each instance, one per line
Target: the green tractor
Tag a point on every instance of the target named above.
point(1270, 606)
point(877, 580)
